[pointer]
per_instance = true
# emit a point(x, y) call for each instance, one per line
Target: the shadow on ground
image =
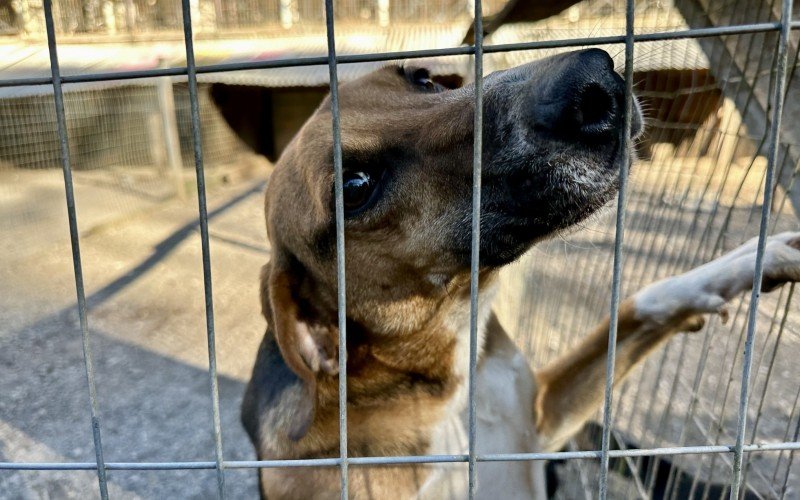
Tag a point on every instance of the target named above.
point(144, 288)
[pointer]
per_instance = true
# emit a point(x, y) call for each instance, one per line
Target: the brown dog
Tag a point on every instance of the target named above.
point(551, 157)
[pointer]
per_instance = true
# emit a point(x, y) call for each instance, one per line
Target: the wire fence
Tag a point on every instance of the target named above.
point(674, 217)
point(143, 17)
point(113, 127)
point(127, 147)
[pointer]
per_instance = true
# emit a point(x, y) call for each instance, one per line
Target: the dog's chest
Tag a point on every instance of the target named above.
point(505, 424)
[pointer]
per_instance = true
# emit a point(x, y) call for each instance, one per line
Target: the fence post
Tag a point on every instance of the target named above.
point(286, 12)
point(383, 13)
point(130, 16)
point(169, 125)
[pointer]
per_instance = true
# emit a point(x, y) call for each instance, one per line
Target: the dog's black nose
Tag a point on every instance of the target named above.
point(580, 97)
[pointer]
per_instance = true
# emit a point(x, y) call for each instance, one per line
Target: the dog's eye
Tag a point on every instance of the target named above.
point(358, 188)
point(422, 78)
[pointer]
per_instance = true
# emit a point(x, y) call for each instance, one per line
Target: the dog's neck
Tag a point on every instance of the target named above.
point(429, 368)
point(448, 435)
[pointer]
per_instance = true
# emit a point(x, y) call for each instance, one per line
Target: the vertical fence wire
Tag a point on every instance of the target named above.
point(616, 280)
point(781, 75)
point(770, 367)
point(61, 121)
point(477, 152)
point(204, 242)
point(340, 256)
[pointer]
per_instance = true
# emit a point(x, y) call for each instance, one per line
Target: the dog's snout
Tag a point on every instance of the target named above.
point(580, 98)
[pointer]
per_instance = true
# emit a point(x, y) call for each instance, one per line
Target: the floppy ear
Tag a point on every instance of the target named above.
point(306, 348)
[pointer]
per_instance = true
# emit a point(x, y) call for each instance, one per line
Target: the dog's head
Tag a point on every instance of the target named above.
point(552, 148)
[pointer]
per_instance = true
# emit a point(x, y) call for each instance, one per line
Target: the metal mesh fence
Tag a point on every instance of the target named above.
point(113, 127)
point(143, 17)
point(118, 147)
point(703, 185)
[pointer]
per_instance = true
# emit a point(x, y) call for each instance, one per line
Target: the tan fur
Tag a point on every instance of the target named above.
point(409, 316)
point(571, 388)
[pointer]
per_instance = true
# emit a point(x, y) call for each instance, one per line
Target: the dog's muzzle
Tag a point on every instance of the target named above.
point(555, 144)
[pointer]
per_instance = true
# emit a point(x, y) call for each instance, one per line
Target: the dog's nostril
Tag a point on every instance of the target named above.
point(588, 112)
point(595, 106)
point(580, 101)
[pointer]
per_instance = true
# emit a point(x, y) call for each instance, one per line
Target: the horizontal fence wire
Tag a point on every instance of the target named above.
point(740, 29)
point(405, 460)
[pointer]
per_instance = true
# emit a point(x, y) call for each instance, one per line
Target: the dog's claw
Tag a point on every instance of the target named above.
point(694, 324)
point(724, 314)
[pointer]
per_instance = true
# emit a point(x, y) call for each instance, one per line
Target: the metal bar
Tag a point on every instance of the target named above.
point(721, 395)
point(768, 377)
point(477, 166)
point(786, 435)
point(781, 66)
point(204, 243)
point(693, 391)
point(44, 466)
point(409, 54)
point(72, 216)
point(340, 255)
point(634, 467)
point(616, 280)
point(401, 460)
point(791, 459)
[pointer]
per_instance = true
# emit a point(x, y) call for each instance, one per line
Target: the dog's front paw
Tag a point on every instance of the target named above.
point(734, 273)
point(781, 261)
point(708, 288)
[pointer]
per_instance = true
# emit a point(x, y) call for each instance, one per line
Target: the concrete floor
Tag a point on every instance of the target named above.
point(144, 289)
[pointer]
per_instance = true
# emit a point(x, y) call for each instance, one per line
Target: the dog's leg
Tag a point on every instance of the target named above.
point(571, 388)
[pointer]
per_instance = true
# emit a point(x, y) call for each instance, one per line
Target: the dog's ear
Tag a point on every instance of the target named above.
point(306, 349)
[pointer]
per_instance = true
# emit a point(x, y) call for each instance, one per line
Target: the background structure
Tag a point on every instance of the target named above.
point(696, 192)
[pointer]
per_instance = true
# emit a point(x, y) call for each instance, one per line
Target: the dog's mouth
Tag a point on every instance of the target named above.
point(546, 190)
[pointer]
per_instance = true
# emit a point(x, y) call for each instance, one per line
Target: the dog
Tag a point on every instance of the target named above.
point(551, 157)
